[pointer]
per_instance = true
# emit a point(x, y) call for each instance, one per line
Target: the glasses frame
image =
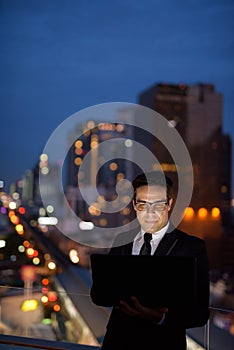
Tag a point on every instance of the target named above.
point(149, 205)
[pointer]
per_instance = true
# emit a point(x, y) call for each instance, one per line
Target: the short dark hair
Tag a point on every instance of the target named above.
point(153, 178)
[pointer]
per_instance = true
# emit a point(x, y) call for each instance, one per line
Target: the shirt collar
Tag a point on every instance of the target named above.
point(155, 235)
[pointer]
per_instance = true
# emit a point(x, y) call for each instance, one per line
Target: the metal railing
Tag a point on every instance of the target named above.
point(29, 327)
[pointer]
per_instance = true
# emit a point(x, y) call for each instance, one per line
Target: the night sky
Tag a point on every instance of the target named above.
point(58, 57)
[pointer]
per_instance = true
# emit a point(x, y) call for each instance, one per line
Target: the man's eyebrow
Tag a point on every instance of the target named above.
point(159, 201)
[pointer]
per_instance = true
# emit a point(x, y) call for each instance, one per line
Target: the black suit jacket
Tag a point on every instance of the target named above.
point(125, 332)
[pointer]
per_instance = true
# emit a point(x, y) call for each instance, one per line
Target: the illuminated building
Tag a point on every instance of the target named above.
point(104, 168)
point(196, 113)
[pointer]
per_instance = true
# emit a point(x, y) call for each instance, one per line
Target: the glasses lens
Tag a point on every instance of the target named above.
point(158, 206)
point(152, 206)
point(141, 206)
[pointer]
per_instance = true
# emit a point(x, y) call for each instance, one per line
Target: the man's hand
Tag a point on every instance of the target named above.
point(138, 310)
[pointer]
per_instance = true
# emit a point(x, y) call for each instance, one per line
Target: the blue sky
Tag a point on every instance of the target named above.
point(58, 57)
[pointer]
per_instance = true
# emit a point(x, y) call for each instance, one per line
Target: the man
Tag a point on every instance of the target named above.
point(132, 325)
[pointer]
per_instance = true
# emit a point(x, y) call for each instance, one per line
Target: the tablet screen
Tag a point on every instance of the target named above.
point(155, 280)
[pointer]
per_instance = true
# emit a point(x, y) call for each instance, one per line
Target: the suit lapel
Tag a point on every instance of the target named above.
point(167, 244)
point(128, 249)
point(123, 248)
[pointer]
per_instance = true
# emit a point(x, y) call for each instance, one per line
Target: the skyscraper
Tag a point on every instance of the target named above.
point(196, 113)
point(94, 170)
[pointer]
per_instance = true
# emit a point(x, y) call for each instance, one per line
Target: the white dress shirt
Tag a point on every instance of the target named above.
point(156, 238)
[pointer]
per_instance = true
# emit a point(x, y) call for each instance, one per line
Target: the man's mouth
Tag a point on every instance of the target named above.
point(151, 222)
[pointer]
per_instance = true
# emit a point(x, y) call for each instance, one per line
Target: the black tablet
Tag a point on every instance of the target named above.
point(155, 280)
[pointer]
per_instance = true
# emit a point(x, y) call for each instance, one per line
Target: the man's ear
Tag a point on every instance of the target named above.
point(170, 204)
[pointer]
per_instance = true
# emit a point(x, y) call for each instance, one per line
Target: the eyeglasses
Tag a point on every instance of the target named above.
point(155, 206)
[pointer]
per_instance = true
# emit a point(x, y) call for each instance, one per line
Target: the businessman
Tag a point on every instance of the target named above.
point(135, 326)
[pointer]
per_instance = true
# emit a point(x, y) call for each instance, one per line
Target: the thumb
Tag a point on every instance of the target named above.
point(164, 309)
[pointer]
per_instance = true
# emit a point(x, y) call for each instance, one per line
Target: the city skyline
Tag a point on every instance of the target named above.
point(58, 59)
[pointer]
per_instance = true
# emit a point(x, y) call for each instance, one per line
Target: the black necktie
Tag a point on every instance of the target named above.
point(146, 248)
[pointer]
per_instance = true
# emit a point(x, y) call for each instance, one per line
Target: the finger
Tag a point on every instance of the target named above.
point(136, 302)
point(164, 309)
point(127, 307)
point(127, 310)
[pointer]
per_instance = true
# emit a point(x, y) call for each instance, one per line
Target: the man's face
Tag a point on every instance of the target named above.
point(151, 219)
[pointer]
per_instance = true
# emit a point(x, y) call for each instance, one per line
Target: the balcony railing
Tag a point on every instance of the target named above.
point(66, 326)
point(210, 337)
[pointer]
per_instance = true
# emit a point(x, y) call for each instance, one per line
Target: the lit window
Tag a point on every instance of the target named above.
point(94, 209)
point(78, 144)
point(44, 157)
point(224, 189)
point(94, 141)
point(120, 127)
point(78, 151)
point(113, 166)
point(103, 222)
point(44, 170)
point(125, 211)
point(90, 124)
point(128, 143)
point(78, 161)
point(120, 176)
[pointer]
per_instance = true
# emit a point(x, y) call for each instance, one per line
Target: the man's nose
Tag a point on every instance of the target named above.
point(150, 209)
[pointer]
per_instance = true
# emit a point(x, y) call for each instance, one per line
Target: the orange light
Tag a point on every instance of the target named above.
point(78, 144)
point(202, 213)
point(26, 244)
point(78, 161)
point(94, 209)
point(45, 281)
point(188, 213)
point(56, 307)
point(215, 212)
point(14, 219)
point(113, 166)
